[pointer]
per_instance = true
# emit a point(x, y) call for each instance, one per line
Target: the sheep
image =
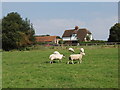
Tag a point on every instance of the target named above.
point(71, 49)
point(82, 50)
point(76, 57)
point(56, 52)
point(56, 57)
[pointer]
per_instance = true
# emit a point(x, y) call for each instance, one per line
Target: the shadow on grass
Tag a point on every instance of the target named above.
point(48, 62)
point(71, 62)
point(53, 61)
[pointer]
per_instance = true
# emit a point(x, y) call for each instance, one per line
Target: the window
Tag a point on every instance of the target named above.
point(74, 35)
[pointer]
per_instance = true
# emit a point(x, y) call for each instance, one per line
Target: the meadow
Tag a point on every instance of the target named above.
point(31, 69)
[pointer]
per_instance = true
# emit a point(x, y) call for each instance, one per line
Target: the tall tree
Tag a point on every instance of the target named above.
point(114, 33)
point(0, 33)
point(16, 32)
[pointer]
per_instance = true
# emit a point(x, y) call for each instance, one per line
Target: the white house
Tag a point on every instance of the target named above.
point(76, 35)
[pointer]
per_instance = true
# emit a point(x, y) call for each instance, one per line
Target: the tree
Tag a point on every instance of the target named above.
point(88, 37)
point(58, 37)
point(0, 34)
point(16, 32)
point(114, 33)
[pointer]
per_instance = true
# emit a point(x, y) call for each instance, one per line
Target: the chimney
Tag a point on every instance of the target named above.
point(76, 27)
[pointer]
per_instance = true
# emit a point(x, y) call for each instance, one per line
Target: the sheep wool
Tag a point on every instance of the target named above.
point(71, 49)
point(76, 57)
point(55, 57)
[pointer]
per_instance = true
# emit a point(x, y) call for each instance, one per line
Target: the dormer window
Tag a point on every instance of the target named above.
point(74, 35)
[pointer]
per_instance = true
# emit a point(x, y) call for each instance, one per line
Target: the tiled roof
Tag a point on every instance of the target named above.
point(45, 38)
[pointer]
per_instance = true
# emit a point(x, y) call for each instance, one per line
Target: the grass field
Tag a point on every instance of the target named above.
point(31, 69)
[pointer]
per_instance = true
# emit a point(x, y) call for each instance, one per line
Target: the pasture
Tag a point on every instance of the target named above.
point(31, 69)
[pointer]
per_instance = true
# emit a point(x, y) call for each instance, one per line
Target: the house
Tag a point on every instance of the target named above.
point(48, 39)
point(76, 35)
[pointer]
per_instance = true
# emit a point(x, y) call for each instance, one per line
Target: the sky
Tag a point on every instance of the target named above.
point(54, 18)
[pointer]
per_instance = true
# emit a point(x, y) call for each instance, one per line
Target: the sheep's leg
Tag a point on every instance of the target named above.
point(72, 62)
point(51, 62)
point(68, 62)
point(60, 60)
point(80, 61)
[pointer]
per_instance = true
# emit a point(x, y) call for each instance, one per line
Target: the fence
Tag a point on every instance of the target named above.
point(91, 44)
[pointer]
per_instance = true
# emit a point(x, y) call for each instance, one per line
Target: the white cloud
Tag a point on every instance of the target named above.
point(99, 26)
point(55, 26)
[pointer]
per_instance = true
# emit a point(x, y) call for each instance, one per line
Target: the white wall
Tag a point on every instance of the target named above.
point(68, 38)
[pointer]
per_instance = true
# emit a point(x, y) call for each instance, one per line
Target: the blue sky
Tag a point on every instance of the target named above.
point(55, 17)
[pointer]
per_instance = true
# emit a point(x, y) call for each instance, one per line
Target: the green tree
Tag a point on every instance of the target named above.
point(0, 33)
point(114, 33)
point(16, 32)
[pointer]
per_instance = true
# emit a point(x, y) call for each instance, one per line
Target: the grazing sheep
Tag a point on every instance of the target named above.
point(71, 50)
point(76, 57)
point(56, 52)
point(82, 50)
point(55, 57)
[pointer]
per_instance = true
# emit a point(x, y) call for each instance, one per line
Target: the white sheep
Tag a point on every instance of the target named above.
point(82, 50)
point(56, 52)
point(55, 57)
point(76, 57)
point(71, 49)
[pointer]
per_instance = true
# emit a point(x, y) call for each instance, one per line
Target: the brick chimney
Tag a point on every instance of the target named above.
point(76, 27)
point(75, 30)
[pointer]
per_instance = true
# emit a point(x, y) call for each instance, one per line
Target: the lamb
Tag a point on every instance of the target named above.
point(56, 57)
point(76, 57)
point(82, 50)
point(71, 49)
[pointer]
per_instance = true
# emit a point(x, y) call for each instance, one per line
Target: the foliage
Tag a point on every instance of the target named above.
point(61, 42)
point(0, 33)
point(42, 35)
point(94, 41)
point(88, 38)
point(31, 69)
point(16, 32)
point(114, 33)
point(58, 37)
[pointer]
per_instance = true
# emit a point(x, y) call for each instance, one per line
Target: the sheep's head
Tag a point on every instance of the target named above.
point(82, 53)
point(81, 50)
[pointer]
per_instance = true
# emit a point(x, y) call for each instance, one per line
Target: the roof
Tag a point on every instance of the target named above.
point(45, 38)
point(81, 33)
point(68, 33)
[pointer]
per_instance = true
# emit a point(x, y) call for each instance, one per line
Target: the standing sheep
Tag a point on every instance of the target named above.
point(76, 57)
point(55, 57)
point(71, 50)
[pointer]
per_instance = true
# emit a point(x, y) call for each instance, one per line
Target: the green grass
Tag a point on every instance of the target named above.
point(32, 69)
